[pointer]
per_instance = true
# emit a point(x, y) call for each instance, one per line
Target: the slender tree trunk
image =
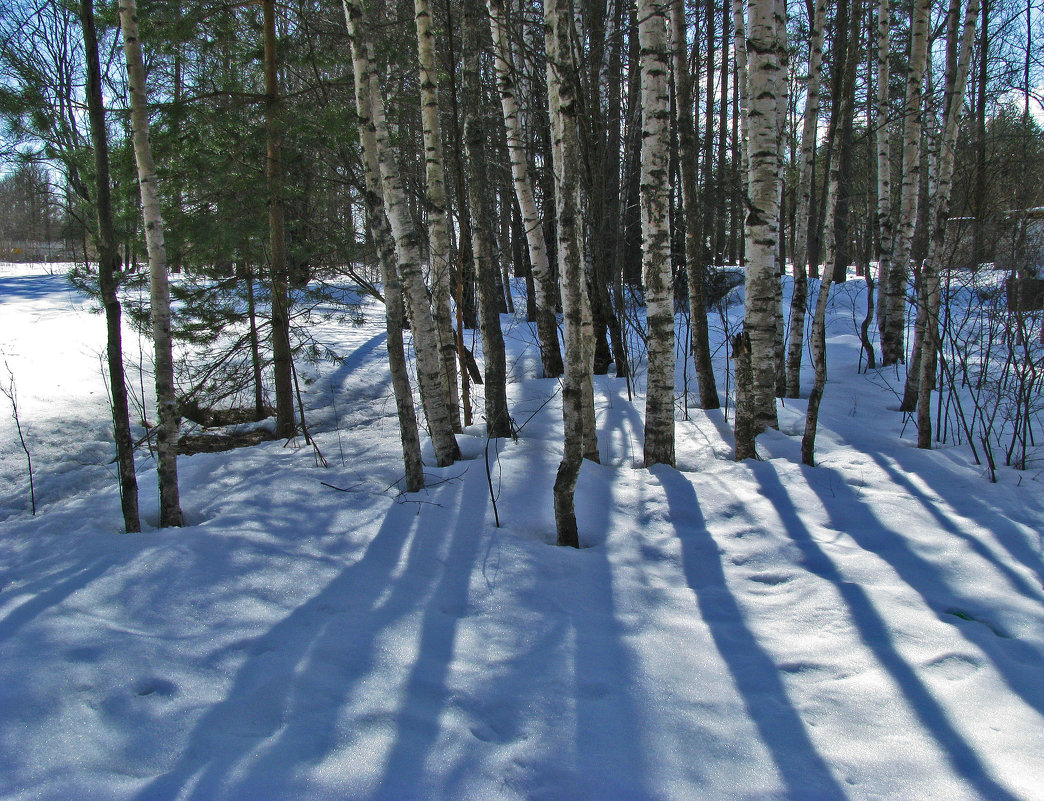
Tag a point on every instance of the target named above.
point(742, 112)
point(108, 264)
point(805, 184)
point(281, 352)
point(383, 240)
point(764, 62)
point(656, 246)
point(439, 250)
point(255, 349)
point(562, 87)
point(895, 314)
point(543, 280)
point(498, 420)
point(956, 80)
point(886, 233)
point(695, 263)
point(407, 248)
point(159, 289)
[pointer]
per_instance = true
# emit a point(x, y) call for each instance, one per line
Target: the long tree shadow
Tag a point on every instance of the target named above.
point(417, 723)
point(35, 287)
point(610, 757)
point(275, 694)
point(801, 767)
point(1006, 534)
point(52, 590)
point(872, 628)
point(924, 578)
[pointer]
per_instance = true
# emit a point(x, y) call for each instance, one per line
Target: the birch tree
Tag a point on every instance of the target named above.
point(886, 233)
point(895, 314)
point(695, 260)
point(498, 419)
point(407, 247)
point(543, 279)
point(562, 86)
point(439, 249)
point(656, 247)
point(395, 313)
point(159, 288)
point(765, 26)
point(805, 189)
point(956, 81)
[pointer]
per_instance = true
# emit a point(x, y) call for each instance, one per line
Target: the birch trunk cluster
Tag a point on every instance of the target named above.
point(805, 190)
point(898, 272)
point(440, 254)
point(956, 81)
point(695, 231)
point(408, 253)
point(498, 419)
point(543, 279)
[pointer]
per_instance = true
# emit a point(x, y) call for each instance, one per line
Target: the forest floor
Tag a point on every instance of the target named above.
point(871, 628)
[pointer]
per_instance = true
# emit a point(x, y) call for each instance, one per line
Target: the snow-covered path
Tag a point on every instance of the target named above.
point(872, 628)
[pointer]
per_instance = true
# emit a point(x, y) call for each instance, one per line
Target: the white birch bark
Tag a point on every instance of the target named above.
point(394, 312)
point(886, 233)
point(407, 250)
point(695, 268)
point(562, 97)
point(818, 334)
point(955, 86)
point(159, 288)
point(895, 315)
point(498, 419)
point(656, 248)
point(809, 128)
point(739, 45)
point(764, 74)
point(439, 248)
point(543, 279)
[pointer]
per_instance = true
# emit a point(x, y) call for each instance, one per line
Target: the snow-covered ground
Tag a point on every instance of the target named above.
point(872, 628)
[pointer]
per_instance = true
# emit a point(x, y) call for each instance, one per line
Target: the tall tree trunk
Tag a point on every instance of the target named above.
point(407, 248)
point(498, 420)
point(844, 89)
point(159, 289)
point(695, 260)
point(562, 88)
point(764, 61)
point(742, 83)
point(886, 233)
point(395, 316)
point(956, 80)
point(656, 246)
point(835, 236)
point(440, 253)
point(281, 353)
point(895, 315)
point(108, 264)
point(806, 188)
point(543, 280)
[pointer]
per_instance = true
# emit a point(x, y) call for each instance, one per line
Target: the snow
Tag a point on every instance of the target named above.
point(871, 628)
